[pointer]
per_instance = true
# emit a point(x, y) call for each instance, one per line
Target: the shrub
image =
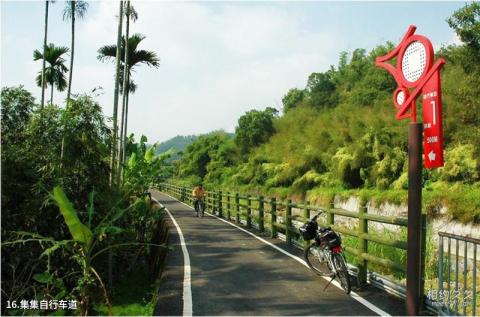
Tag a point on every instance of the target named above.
point(460, 164)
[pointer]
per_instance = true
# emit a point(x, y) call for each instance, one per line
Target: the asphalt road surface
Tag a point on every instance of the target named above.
point(233, 273)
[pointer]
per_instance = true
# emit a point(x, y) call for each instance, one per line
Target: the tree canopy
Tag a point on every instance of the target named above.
point(254, 128)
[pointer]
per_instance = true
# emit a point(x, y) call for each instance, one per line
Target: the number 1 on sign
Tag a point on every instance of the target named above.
point(434, 114)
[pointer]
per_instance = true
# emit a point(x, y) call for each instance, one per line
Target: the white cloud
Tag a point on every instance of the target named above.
point(218, 60)
point(455, 40)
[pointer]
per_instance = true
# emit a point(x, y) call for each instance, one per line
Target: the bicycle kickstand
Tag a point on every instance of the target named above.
point(333, 277)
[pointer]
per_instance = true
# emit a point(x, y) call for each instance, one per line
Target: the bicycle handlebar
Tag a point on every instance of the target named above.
point(320, 211)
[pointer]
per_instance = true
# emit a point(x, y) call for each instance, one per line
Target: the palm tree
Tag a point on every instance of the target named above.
point(115, 103)
point(130, 13)
point(44, 46)
point(134, 59)
point(72, 10)
point(54, 74)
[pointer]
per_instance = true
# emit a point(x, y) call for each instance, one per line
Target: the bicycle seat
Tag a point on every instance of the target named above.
point(323, 229)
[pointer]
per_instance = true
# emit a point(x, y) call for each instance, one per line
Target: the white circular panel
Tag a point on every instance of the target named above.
point(414, 61)
point(400, 97)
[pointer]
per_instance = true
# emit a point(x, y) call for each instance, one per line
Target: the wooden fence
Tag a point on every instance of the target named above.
point(273, 216)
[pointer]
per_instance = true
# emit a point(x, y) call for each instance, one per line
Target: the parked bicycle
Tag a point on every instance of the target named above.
point(325, 255)
point(199, 206)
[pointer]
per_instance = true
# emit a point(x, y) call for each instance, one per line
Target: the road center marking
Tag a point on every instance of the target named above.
point(187, 279)
point(352, 294)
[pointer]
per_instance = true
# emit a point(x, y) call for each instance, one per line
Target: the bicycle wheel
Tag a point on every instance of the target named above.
point(316, 260)
point(195, 206)
point(200, 209)
point(342, 271)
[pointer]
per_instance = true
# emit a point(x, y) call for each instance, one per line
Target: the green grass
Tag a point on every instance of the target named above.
point(135, 295)
point(462, 200)
point(381, 251)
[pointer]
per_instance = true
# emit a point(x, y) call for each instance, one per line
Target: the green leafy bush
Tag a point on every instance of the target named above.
point(460, 164)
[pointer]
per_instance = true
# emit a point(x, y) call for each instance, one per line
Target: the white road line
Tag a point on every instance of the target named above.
point(354, 295)
point(187, 279)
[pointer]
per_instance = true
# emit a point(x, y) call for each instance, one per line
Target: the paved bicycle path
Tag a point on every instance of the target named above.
point(232, 273)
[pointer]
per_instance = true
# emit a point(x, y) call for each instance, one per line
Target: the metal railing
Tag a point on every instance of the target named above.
point(457, 275)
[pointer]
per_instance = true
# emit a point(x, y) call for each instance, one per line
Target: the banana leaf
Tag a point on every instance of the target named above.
point(77, 229)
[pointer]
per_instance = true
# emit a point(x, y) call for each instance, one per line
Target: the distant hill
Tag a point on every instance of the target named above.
point(176, 144)
point(179, 144)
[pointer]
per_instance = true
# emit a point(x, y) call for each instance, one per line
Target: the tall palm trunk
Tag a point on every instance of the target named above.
point(124, 151)
point(44, 48)
point(115, 128)
point(126, 68)
point(72, 3)
point(51, 96)
point(115, 97)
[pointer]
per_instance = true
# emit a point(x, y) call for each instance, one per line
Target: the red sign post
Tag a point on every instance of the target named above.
point(417, 75)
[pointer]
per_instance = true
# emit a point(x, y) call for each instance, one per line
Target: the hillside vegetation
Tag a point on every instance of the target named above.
point(338, 135)
point(176, 144)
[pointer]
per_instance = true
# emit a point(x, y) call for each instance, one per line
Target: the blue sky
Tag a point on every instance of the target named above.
point(218, 59)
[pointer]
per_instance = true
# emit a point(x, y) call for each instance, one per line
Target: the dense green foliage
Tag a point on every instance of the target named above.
point(207, 155)
point(254, 128)
point(134, 296)
point(74, 220)
point(144, 168)
point(340, 132)
point(52, 239)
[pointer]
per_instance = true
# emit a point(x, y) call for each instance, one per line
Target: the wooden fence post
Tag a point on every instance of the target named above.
point(189, 195)
point(228, 206)
point(209, 195)
point(261, 214)
point(362, 245)
point(273, 205)
point(330, 215)
point(207, 200)
point(422, 264)
point(306, 217)
point(288, 222)
point(249, 211)
point(237, 208)
point(220, 207)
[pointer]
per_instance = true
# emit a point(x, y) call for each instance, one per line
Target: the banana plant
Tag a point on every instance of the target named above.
point(83, 245)
point(144, 168)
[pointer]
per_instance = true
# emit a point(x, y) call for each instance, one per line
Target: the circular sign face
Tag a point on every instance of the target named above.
point(414, 61)
point(400, 96)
